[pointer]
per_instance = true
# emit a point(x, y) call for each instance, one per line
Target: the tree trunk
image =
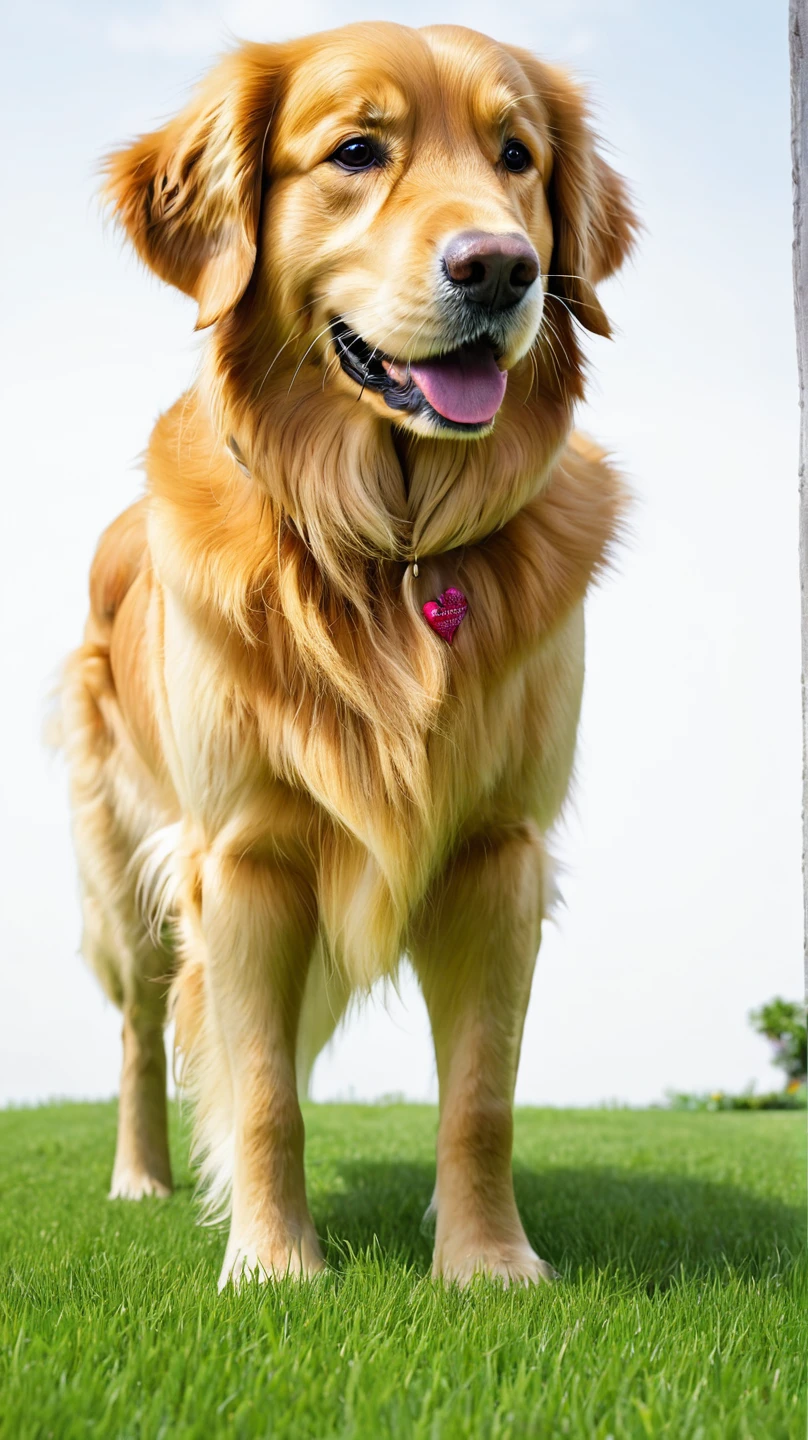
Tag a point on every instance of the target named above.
point(798, 34)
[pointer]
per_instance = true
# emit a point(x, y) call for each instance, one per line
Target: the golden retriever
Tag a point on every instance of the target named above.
point(325, 710)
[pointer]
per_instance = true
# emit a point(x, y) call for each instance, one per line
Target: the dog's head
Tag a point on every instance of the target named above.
point(417, 214)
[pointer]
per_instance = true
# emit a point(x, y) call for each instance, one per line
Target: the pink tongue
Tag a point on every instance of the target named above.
point(466, 387)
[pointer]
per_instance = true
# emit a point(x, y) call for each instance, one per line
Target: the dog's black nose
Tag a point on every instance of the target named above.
point(491, 270)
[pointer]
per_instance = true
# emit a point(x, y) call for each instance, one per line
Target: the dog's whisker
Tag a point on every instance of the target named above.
point(276, 357)
point(548, 334)
point(306, 353)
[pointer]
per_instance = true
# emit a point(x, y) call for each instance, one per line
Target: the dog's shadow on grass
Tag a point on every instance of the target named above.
point(587, 1220)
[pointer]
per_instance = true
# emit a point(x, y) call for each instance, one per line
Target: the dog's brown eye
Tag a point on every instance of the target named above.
point(356, 154)
point(515, 156)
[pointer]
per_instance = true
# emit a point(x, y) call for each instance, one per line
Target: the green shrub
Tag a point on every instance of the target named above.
point(783, 1023)
point(793, 1098)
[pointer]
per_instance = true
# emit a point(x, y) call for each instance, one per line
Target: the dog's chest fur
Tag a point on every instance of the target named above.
point(294, 776)
point(360, 753)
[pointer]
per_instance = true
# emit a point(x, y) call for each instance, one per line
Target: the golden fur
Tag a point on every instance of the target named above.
point(282, 779)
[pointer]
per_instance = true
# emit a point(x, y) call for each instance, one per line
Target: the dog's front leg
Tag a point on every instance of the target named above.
point(258, 923)
point(474, 949)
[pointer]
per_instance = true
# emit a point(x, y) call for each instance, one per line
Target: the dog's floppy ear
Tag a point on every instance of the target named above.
point(189, 195)
point(594, 224)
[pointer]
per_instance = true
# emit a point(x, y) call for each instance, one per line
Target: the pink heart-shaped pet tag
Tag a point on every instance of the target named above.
point(446, 613)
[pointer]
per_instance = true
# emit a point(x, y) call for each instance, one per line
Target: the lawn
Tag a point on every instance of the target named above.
point(681, 1311)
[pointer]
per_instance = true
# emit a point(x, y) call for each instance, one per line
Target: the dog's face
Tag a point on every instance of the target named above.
point(391, 205)
point(407, 218)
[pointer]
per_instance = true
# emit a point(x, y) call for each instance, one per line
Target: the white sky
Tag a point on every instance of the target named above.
point(683, 850)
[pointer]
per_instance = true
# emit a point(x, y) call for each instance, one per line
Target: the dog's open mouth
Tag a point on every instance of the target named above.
point(463, 389)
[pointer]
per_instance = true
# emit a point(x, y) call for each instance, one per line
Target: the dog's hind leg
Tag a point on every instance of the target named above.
point(142, 1165)
point(133, 970)
point(474, 949)
point(135, 975)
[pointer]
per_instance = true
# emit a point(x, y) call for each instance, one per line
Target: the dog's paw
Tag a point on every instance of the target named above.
point(301, 1260)
point(130, 1184)
point(510, 1264)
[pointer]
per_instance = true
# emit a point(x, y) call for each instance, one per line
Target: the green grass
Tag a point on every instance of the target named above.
point(681, 1311)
